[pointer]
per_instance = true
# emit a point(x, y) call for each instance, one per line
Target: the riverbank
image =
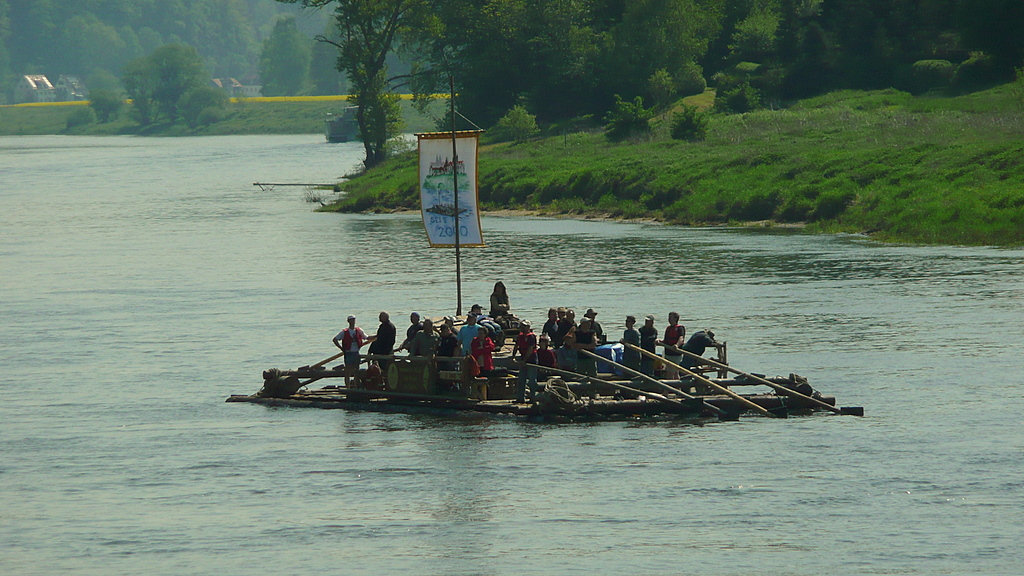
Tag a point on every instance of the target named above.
point(930, 170)
point(281, 115)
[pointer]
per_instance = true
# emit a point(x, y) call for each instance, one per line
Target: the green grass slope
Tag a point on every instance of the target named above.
point(929, 170)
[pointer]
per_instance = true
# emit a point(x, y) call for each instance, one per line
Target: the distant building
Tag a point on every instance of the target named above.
point(236, 89)
point(70, 89)
point(34, 88)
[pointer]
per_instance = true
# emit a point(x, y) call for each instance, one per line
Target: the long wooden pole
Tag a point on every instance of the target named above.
point(326, 360)
point(571, 374)
point(455, 192)
point(704, 380)
point(654, 381)
point(854, 410)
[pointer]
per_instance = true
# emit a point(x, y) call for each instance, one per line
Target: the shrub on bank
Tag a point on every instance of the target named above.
point(106, 104)
point(690, 123)
point(517, 125)
point(978, 71)
point(739, 98)
point(660, 88)
point(628, 119)
point(930, 75)
point(203, 106)
point(690, 80)
point(80, 117)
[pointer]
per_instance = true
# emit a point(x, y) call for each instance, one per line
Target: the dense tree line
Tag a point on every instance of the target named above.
point(556, 60)
point(94, 40)
point(566, 58)
point(572, 58)
point(559, 58)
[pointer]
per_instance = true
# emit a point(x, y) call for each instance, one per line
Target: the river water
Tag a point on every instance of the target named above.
point(145, 280)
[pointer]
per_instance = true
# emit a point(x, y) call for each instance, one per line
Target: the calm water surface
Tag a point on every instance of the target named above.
point(145, 280)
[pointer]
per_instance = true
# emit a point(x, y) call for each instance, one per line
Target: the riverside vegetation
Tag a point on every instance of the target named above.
point(901, 168)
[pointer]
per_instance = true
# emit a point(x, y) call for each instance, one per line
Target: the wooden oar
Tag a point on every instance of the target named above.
point(705, 381)
point(326, 360)
point(847, 410)
point(318, 365)
point(723, 414)
point(570, 374)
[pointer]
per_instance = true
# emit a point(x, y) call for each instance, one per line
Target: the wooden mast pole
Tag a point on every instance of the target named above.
point(455, 192)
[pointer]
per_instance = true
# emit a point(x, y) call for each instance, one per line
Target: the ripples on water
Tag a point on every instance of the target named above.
point(144, 280)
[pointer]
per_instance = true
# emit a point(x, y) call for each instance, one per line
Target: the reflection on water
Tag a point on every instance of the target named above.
point(144, 280)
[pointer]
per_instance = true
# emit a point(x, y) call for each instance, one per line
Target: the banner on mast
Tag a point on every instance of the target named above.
point(437, 176)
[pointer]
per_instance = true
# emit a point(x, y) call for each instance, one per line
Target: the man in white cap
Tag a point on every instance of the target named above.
point(349, 341)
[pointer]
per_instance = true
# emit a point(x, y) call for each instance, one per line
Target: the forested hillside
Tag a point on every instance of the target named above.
point(94, 40)
point(566, 58)
point(559, 59)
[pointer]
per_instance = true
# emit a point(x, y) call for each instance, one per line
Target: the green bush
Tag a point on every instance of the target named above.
point(106, 104)
point(754, 37)
point(978, 71)
point(197, 101)
point(690, 123)
point(82, 116)
point(517, 125)
point(628, 119)
point(661, 88)
point(609, 203)
point(740, 98)
point(690, 80)
point(209, 116)
point(927, 75)
point(746, 69)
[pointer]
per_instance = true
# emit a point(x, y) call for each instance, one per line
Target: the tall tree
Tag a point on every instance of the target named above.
point(997, 27)
point(93, 45)
point(504, 53)
point(323, 71)
point(656, 34)
point(368, 32)
point(34, 27)
point(157, 83)
point(284, 61)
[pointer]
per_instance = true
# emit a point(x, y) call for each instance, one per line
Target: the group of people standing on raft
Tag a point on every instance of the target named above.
point(557, 346)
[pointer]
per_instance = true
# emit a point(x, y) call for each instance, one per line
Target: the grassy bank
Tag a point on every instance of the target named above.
point(901, 168)
point(244, 116)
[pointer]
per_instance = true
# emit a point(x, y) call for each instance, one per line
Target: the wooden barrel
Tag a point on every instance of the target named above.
point(412, 377)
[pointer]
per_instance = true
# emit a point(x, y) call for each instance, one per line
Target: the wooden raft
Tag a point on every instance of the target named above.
point(415, 384)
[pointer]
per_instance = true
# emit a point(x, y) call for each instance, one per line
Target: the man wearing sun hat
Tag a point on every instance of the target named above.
point(595, 325)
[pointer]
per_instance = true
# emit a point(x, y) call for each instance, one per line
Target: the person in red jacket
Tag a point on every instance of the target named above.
point(526, 347)
point(675, 335)
point(481, 348)
point(350, 340)
point(545, 355)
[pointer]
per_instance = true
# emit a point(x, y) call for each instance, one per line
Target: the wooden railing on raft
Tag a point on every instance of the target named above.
point(416, 374)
